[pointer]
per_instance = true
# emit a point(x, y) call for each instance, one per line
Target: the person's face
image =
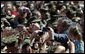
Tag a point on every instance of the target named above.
point(32, 6)
point(9, 6)
point(19, 3)
point(49, 43)
point(24, 3)
point(41, 40)
point(54, 7)
point(71, 36)
point(14, 8)
point(36, 45)
point(32, 27)
point(9, 12)
point(59, 28)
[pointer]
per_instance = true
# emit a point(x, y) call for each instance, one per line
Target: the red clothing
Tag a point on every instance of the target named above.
point(15, 13)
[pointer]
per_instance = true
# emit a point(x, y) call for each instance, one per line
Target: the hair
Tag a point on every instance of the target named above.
point(24, 50)
point(76, 33)
point(25, 45)
point(14, 6)
point(65, 25)
point(7, 11)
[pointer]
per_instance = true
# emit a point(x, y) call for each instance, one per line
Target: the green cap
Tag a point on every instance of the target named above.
point(27, 40)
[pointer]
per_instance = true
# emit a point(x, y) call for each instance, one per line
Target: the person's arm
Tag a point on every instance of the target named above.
point(5, 20)
point(71, 47)
point(31, 44)
point(60, 49)
point(52, 31)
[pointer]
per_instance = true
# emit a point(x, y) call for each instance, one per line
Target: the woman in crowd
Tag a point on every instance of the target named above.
point(76, 37)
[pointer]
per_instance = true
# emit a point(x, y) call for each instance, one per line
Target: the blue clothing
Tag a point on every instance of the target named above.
point(63, 38)
point(79, 47)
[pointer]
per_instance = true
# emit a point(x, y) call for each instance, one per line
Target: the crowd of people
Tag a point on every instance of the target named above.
point(42, 26)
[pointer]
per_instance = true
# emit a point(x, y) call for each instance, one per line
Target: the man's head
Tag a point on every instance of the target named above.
point(74, 33)
point(62, 26)
point(9, 12)
point(34, 26)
